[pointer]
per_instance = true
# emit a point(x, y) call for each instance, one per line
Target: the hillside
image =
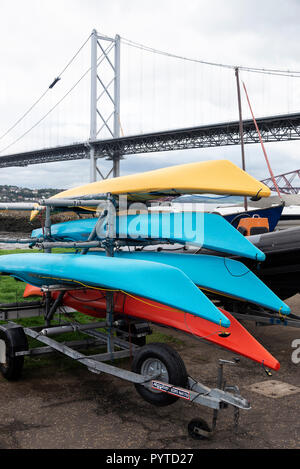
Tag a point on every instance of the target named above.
point(17, 221)
point(24, 194)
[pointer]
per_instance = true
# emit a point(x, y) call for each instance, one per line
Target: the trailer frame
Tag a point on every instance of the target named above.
point(194, 391)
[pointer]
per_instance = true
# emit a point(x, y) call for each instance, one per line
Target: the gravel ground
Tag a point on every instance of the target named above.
point(61, 405)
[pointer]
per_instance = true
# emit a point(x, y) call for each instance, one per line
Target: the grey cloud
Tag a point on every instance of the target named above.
point(36, 44)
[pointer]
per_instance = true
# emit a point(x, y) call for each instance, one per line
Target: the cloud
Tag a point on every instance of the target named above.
point(157, 92)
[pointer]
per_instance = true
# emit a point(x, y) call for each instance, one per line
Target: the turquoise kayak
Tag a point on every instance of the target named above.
point(216, 274)
point(159, 282)
point(204, 230)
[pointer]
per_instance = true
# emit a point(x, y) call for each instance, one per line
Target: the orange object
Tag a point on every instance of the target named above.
point(30, 290)
point(253, 225)
point(240, 341)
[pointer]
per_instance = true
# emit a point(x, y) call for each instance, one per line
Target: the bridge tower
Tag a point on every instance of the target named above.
point(108, 118)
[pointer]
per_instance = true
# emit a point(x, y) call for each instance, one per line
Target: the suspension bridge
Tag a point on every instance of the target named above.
point(107, 140)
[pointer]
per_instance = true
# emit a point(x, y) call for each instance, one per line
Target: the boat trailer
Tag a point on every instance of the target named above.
point(154, 368)
point(158, 372)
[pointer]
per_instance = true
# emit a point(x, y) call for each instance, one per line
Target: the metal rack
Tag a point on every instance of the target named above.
point(153, 364)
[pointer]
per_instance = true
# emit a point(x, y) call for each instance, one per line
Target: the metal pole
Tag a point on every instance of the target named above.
point(116, 157)
point(93, 115)
point(48, 226)
point(241, 126)
point(48, 250)
point(109, 251)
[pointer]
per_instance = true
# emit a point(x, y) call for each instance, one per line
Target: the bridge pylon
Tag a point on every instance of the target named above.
point(104, 118)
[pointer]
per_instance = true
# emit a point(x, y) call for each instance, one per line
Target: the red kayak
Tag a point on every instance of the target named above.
point(240, 341)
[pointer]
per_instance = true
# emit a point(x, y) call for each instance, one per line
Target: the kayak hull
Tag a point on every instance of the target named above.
point(240, 341)
point(219, 275)
point(204, 230)
point(165, 284)
point(214, 177)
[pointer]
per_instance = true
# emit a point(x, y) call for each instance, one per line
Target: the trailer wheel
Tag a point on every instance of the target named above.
point(163, 362)
point(199, 429)
point(12, 340)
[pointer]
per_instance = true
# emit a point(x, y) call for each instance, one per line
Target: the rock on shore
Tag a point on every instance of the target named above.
point(15, 221)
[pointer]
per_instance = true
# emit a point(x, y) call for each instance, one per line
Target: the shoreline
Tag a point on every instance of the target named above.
point(17, 221)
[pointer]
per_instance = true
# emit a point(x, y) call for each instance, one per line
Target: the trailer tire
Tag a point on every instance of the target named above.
point(199, 429)
point(153, 357)
point(14, 340)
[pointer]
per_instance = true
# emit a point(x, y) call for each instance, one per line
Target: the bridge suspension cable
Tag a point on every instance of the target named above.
point(269, 71)
point(100, 59)
point(51, 86)
point(161, 102)
point(45, 115)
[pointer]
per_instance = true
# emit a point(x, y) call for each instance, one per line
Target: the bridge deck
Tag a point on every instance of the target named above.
point(273, 129)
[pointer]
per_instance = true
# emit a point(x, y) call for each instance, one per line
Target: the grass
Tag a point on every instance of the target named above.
point(157, 336)
point(11, 291)
point(3, 252)
point(28, 251)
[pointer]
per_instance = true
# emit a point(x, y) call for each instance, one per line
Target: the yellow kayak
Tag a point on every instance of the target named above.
point(213, 177)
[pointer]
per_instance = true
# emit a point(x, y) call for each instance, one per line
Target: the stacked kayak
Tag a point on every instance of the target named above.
point(220, 275)
point(159, 287)
point(204, 230)
point(236, 339)
point(151, 280)
point(214, 177)
point(213, 273)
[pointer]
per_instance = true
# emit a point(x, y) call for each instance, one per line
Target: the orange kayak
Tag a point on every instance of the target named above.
point(240, 341)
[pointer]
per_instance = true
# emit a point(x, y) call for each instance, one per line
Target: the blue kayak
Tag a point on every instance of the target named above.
point(217, 274)
point(204, 230)
point(159, 282)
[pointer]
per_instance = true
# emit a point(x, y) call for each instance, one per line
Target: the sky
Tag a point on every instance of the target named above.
point(38, 38)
